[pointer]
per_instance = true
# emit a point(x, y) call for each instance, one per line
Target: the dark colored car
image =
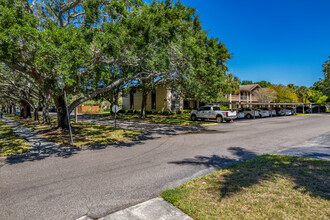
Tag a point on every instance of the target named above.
point(299, 109)
point(52, 110)
point(279, 111)
point(315, 109)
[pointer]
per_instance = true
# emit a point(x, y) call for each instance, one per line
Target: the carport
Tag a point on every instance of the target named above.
point(271, 106)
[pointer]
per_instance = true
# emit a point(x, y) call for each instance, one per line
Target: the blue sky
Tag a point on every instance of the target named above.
point(281, 41)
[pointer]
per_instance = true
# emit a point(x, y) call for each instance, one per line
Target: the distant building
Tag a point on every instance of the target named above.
point(244, 95)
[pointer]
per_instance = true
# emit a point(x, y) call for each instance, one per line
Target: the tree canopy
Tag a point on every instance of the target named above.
point(88, 47)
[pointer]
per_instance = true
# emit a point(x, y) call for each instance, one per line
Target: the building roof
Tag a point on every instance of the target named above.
point(248, 87)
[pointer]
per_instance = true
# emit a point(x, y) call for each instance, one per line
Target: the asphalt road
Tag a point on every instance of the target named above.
point(100, 181)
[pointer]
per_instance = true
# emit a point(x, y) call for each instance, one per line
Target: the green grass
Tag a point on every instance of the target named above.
point(301, 113)
point(177, 119)
point(10, 142)
point(84, 134)
point(267, 187)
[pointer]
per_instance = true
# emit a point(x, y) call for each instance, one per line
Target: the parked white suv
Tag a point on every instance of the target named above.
point(213, 112)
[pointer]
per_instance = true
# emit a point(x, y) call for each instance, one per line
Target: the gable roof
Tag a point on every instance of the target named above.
point(248, 87)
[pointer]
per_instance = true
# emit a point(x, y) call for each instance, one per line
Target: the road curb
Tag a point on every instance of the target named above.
point(156, 208)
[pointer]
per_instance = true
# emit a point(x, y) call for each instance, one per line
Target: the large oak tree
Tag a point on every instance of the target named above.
point(76, 46)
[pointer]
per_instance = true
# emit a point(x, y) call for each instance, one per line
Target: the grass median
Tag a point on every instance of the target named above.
point(10, 142)
point(84, 134)
point(267, 187)
point(177, 119)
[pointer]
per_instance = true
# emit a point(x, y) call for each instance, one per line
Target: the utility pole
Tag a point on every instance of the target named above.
point(67, 113)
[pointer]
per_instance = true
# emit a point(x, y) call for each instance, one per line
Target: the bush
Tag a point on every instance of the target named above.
point(166, 113)
point(186, 111)
point(224, 108)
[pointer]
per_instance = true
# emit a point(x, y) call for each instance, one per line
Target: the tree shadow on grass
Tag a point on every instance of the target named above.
point(308, 175)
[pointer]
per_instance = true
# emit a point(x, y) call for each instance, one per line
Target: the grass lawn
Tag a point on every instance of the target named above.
point(84, 134)
point(178, 119)
point(10, 142)
point(301, 114)
point(266, 187)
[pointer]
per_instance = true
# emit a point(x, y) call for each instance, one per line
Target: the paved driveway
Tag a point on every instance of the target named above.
point(317, 148)
point(100, 181)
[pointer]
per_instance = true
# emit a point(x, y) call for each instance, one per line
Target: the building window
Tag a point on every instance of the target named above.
point(153, 100)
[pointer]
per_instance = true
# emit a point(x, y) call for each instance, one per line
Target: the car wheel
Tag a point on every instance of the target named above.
point(193, 118)
point(219, 119)
point(248, 116)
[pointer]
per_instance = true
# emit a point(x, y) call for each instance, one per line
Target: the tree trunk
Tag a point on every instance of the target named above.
point(22, 112)
point(28, 111)
point(36, 115)
point(62, 118)
point(110, 99)
point(45, 109)
point(10, 110)
point(143, 105)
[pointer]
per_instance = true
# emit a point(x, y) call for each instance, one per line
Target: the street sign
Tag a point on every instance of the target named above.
point(115, 108)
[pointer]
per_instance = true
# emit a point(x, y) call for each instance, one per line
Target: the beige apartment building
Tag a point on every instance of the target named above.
point(165, 99)
point(244, 95)
point(162, 99)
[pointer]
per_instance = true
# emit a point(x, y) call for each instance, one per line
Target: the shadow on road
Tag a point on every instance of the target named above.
point(217, 162)
point(38, 152)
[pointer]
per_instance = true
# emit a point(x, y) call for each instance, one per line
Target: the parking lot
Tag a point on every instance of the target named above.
point(121, 175)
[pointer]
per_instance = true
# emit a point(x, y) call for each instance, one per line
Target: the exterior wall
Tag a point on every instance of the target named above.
point(138, 101)
point(126, 102)
point(161, 100)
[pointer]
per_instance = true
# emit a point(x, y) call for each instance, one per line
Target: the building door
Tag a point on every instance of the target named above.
point(153, 100)
point(131, 99)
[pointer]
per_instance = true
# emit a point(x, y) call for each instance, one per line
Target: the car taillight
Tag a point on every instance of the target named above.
point(227, 114)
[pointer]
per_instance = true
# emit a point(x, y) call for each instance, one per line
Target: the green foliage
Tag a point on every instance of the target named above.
point(262, 84)
point(326, 82)
point(315, 95)
point(303, 93)
point(246, 82)
point(107, 45)
point(284, 94)
point(322, 99)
